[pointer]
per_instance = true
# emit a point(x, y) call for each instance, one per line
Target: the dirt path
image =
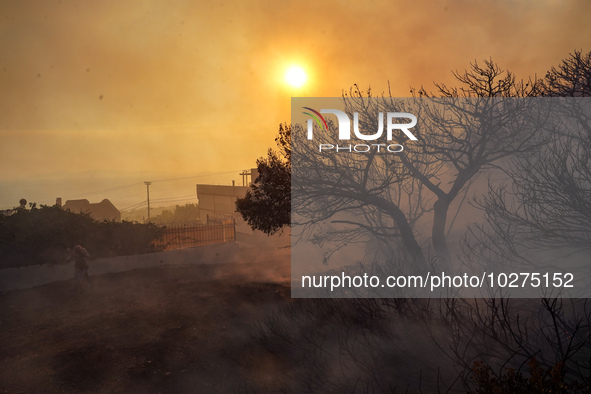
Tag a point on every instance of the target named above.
point(164, 329)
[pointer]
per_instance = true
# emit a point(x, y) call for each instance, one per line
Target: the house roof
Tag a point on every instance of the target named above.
point(102, 210)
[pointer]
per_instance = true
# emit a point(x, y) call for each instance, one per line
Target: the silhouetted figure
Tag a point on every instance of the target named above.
point(80, 256)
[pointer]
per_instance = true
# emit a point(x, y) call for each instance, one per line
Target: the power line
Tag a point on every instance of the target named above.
point(167, 198)
point(134, 206)
point(143, 203)
point(139, 183)
point(105, 190)
point(176, 200)
point(197, 176)
point(187, 197)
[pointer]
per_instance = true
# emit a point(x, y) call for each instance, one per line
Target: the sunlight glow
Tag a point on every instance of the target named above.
point(295, 76)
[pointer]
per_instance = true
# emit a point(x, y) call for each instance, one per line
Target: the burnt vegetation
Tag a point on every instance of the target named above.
point(537, 204)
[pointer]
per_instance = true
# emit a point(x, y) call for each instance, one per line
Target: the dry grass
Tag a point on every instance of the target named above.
point(163, 329)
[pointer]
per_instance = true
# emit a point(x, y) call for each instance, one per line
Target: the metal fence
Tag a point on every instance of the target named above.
point(185, 236)
point(218, 218)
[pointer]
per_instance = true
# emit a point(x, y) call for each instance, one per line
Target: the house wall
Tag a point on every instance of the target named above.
point(218, 199)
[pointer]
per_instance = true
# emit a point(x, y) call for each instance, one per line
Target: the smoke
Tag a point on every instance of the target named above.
point(111, 85)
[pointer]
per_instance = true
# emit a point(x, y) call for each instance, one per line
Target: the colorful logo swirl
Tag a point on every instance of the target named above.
point(317, 117)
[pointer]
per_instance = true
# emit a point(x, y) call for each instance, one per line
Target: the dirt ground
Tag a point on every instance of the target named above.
point(163, 329)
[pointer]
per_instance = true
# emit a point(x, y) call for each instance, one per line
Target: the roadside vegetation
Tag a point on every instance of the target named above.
point(41, 235)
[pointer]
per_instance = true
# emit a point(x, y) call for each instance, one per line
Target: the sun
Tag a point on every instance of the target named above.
point(296, 76)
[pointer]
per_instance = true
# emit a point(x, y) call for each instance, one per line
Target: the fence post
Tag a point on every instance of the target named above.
point(177, 236)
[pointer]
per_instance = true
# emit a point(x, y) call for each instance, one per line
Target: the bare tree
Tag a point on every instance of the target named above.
point(390, 197)
point(572, 78)
point(458, 138)
point(543, 211)
point(546, 205)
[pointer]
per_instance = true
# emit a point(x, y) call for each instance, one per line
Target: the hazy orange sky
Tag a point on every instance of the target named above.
point(188, 87)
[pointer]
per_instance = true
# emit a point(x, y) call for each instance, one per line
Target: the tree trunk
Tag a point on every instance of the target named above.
point(438, 237)
point(409, 241)
point(406, 234)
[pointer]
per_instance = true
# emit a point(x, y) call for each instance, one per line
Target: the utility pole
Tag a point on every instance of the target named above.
point(148, 192)
point(245, 174)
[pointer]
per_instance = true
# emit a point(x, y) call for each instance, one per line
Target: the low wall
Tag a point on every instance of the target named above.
point(37, 275)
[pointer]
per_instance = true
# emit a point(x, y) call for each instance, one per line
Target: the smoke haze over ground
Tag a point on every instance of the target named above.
point(169, 328)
